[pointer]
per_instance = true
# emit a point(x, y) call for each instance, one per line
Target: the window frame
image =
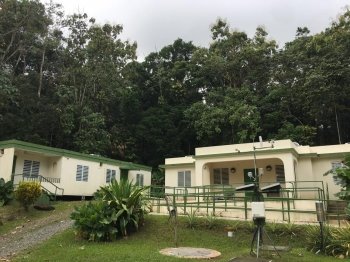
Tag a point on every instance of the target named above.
point(110, 175)
point(33, 166)
point(186, 178)
point(219, 176)
point(140, 180)
point(82, 173)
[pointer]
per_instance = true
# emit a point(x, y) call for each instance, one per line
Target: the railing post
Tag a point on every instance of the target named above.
point(214, 199)
point(245, 208)
point(288, 207)
point(283, 208)
point(185, 199)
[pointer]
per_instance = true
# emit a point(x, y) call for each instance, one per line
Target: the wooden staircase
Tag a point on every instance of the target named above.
point(336, 210)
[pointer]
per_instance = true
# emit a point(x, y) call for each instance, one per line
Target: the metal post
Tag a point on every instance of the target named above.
point(320, 218)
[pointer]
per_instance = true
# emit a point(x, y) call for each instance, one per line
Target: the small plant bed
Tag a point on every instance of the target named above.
point(157, 234)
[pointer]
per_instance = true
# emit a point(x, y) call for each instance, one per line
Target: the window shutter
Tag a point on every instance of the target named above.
point(225, 177)
point(141, 180)
point(85, 173)
point(79, 173)
point(280, 177)
point(138, 179)
point(188, 178)
point(27, 167)
point(35, 168)
point(112, 175)
point(180, 179)
point(217, 176)
point(108, 176)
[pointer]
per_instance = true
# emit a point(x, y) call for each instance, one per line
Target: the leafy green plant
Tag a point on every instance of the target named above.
point(233, 226)
point(95, 221)
point(290, 229)
point(192, 220)
point(27, 193)
point(343, 175)
point(339, 245)
point(6, 191)
point(127, 200)
point(211, 221)
point(273, 227)
point(249, 226)
point(313, 238)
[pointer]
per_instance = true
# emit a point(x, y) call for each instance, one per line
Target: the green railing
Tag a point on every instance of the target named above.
point(213, 198)
point(38, 178)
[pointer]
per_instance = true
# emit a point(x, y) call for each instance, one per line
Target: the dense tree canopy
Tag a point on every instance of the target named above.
point(68, 82)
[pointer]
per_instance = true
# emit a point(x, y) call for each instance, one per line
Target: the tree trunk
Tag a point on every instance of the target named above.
point(41, 73)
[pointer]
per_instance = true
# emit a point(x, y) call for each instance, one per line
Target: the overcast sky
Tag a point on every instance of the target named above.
point(154, 24)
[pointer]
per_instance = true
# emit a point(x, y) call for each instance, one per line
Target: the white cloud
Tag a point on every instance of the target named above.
point(156, 23)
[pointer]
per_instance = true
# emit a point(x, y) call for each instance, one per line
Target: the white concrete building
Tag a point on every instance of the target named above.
point(281, 161)
point(65, 172)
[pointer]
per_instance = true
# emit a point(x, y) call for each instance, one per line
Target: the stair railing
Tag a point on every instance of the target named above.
point(40, 178)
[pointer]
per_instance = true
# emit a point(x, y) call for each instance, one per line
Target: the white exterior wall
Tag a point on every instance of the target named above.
point(321, 166)
point(171, 177)
point(6, 161)
point(47, 168)
point(147, 179)
point(301, 163)
point(96, 177)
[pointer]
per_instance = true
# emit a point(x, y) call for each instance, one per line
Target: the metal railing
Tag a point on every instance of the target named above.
point(39, 178)
point(212, 198)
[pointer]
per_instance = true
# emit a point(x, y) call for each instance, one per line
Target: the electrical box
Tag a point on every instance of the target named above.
point(258, 209)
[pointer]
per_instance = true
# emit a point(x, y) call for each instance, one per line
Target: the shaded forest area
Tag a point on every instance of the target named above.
point(68, 82)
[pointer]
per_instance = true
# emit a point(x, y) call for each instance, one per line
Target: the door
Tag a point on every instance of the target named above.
point(124, 174)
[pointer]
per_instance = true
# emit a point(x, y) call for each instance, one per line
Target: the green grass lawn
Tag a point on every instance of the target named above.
point(156, 235)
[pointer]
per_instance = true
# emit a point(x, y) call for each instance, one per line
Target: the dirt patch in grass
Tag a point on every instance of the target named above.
point(24, 230)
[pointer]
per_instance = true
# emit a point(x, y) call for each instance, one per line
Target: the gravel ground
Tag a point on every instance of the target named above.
point(32, 233)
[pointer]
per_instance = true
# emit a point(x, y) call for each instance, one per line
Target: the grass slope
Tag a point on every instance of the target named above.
point(13, 215)
point(156, 235)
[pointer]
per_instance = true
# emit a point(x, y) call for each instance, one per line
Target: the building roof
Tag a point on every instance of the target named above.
point(272, 147)
point(52, 151)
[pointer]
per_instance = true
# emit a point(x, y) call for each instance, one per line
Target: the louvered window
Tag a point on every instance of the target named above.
point(139, 180)
point(31, 168)
point(82, 173)
point(280, 177)
point(110, 175)
point(184, 178)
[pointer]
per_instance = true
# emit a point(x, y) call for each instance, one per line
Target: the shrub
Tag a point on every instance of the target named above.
point(313, 238)
point(339, 245)
point(27, 193)
point(6, 191)
point(127, 200)
point(211, 221)
point(95, 221)
point(119, 209)
point(192, 220)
